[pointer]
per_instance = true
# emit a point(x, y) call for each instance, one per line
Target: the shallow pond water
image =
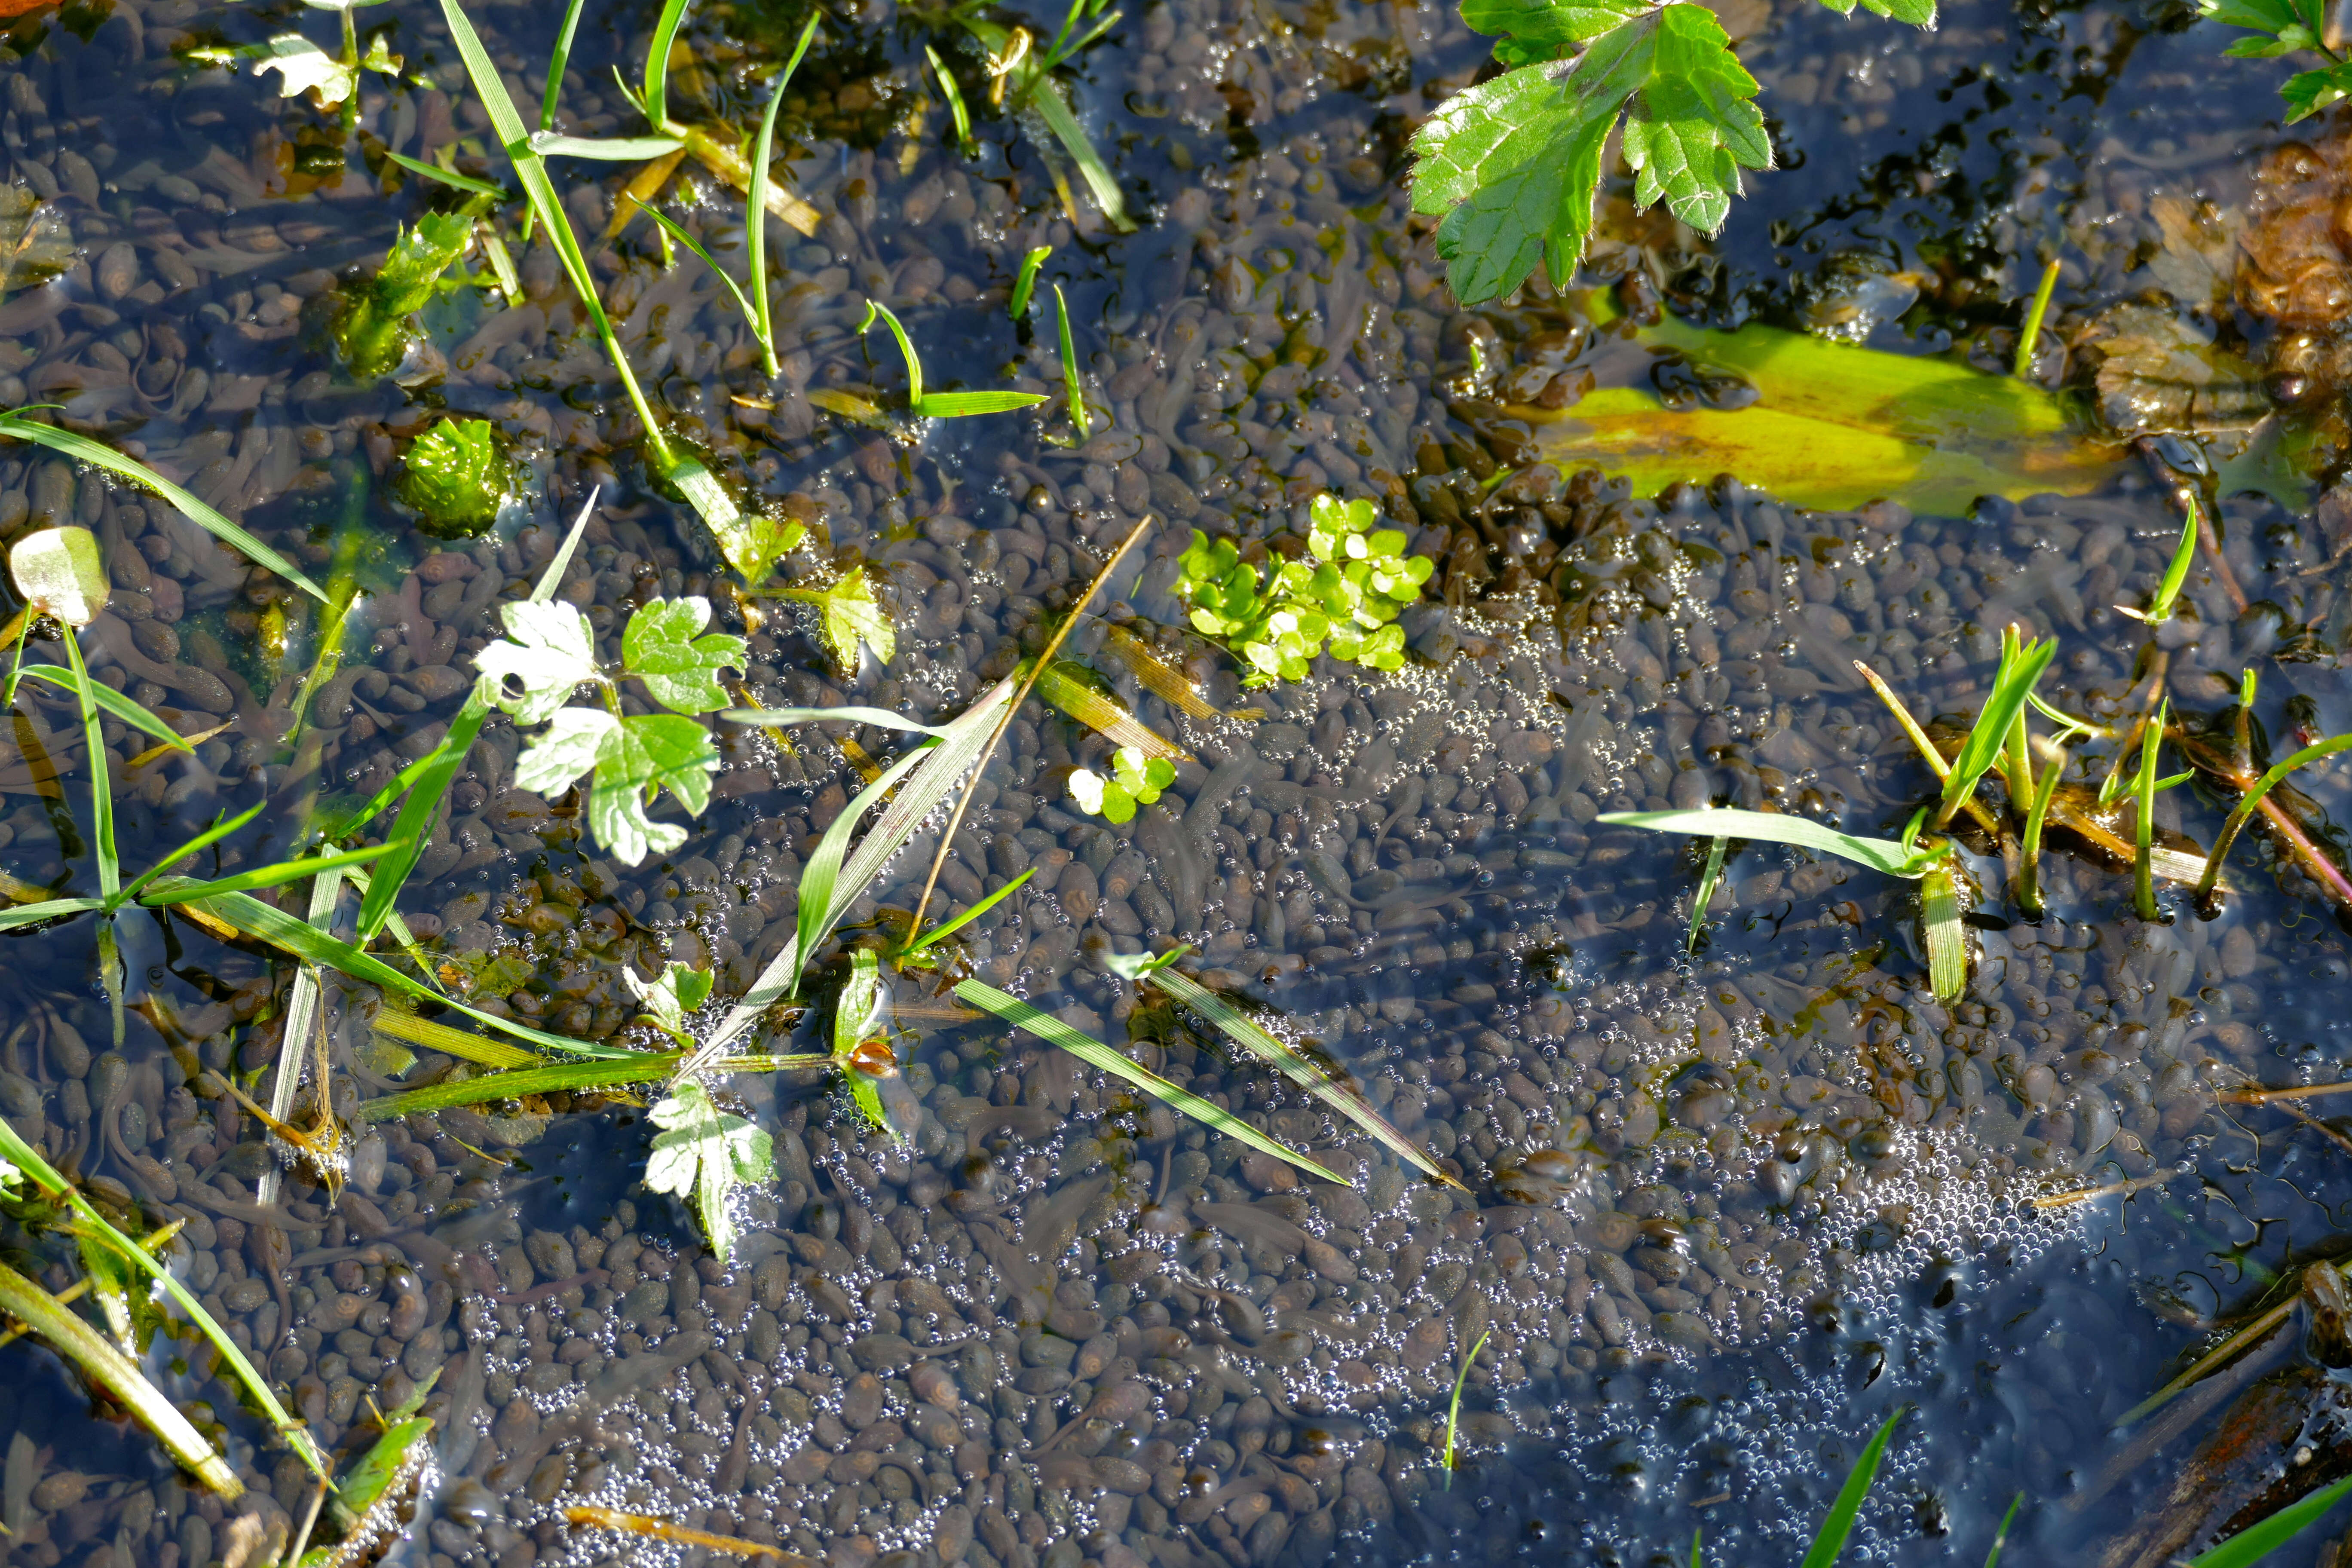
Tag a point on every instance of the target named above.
point(1722, 1213)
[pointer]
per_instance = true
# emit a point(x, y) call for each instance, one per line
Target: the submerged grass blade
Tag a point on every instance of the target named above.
point(1094, 1053)
point(947, 929)
point(1026, 281)
point(83, 449)
point(2257, 1541)
point(106, 1366)
point(2252, 799)
point(27, 1158)
point(1044, 96)
point(513, 1085)
point(1453, 1409)
point(1104, 714)
point(450, 177)
point(1830, 1539)
point(1071, 390)
point(755, 218)
point(1772, 827)
point(1705, 895)
point(880, 718)
point(2029, 872)
point(2031, 338)
point(822, 900)
point(2144, 817)
point(1280, 1054)
point(459, 1043)
point(957, 113)
point(1939, 926)
point(1992, 1558)
point(250, 917)
point(113, 702)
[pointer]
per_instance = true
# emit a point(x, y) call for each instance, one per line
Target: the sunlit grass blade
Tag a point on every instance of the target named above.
point(2144, 817)
point(462, 1044)
point(1705, 895)
point(102, 788)
point(949, 927)
point(1831, 1538)
point(1046, 98)
point(2030, 337)
point(756, 209)
point(448, 176)
point(1280, 1054)
point(250, 917)
point(2029, 870)
point(113, 702)
point(656, 91)
point(1454, 1413)
point(1992, 1558)
point(559, 61)
point(1094, 1053)
point(671, 226)
point(957, 113)
point(604, 149)
point(1026, 281)
point(2253, 799)
point(28, 1160)
point(820, 903)
point(283, 872)
point(1772, 827)
point(1103, 714)
point(2257, 1541)
point(561, 1077)
point(906, 349)
point(104, 1364)
point(202, 841)
point(880, 718)
point(2069, 726)
point(959, 746)
point(1940, 929)
point(963, 404)
point(83, 449)
point(1071, 390)
point(47, 910)
point(1989, 737)
point(2175, 573)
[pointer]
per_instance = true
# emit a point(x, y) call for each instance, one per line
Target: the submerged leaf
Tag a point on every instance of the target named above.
point(702, 1155)
point(664, 648)
point(2163, 373)
point(36, 244)
point(848, 613)
point(634, 759)
point(455, 477)
point(61, 571)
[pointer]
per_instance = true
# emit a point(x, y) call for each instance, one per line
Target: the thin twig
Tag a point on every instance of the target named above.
point(2263, 1096)
point(2112, 1190)
point(318, 1500)
point(1020, 695)
point(585, 1517)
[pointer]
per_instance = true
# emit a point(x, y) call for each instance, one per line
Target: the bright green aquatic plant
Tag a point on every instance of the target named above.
point(375, 328)
point(941, 405)
point(456, 478)
point(1135, 780)
point(1513, 163)
point(1345, 591)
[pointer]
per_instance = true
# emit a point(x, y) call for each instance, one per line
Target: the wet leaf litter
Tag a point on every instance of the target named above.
point(1398, 804)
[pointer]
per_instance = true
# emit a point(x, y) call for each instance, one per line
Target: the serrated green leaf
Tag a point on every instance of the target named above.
point(566, 749)
point(664, 646)
point(1549, 23)
point(1693, 127)
point(549, 649)
point(636, 758)
point(702, 1155)
point(849, 612)
point(2310, 91)
point(669, 997)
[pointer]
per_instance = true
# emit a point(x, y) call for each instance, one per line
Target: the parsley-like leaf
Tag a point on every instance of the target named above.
point(1548, 26)
point(635, 758)
point(667, 1000)
point(549, 651)
point(2309, 92)
point(663, 647)
point(568, 749)
point(849, 613)
point(1693, 127)
point(703, 1154)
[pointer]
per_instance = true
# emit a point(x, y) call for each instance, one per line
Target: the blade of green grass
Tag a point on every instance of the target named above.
point(516, 1083)
point(450, 176)
point(959, 746)
point(2027, 340)
point(17, 915)
point(2029, 866)
point(2144, 817)
point(1280, 1054)
point(880, 718)
point(751, 314)
point(1094, 1053)
point(1453, 1410)
point(963, 404)
point(954, 95)
point(905, 350)
point(83, 449)
point(604, 149)
point(1939, 926)
point(183, 889)
point(1830, 1539)
point(656, 95)
point(1705, 896)
point(2257, 1541)
point(251, 917)
point(2175, 573)
point(1071, 390)
point(1044, 96)
point(1772, 827)
point(1026, 280)
point(820, 903)
point(559, 61)
point(2253, 799)
point(202, 841)
point(756, 208)
point(302, 1023)
point(1990, 735)
point(27, 1158)
point(970, 915)
point(102, 805)
point(1992, 1558)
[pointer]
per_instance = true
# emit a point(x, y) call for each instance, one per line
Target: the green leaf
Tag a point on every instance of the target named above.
point(389, 1460)
point(823, 899)
point(2020, 668)
point(1946, 940)
point(2310, 91)
point(604, 149)
point(963, 404)
point(634, 759)
point(1550, 24)
point(679, 990)
point(657, 56)
point(83, 449)
point(663, 647)
point(419, 255)
point(1094, 1053)
point(1693, 127)
point(456, 477)
point(1830, 1539)
point(19, 915)
point(881, 1095)
point(549, 651)
point(2256, 1542)
point(1772, 827)
point(185, 891)
point(61, 571)
point(1088, 792)
point(1071, 390)
point(939, 932)
point(1026, 280)
point(566, 749)
point(848, 613)
point(753, 542)
point(702, 1155)
point(114, 702)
